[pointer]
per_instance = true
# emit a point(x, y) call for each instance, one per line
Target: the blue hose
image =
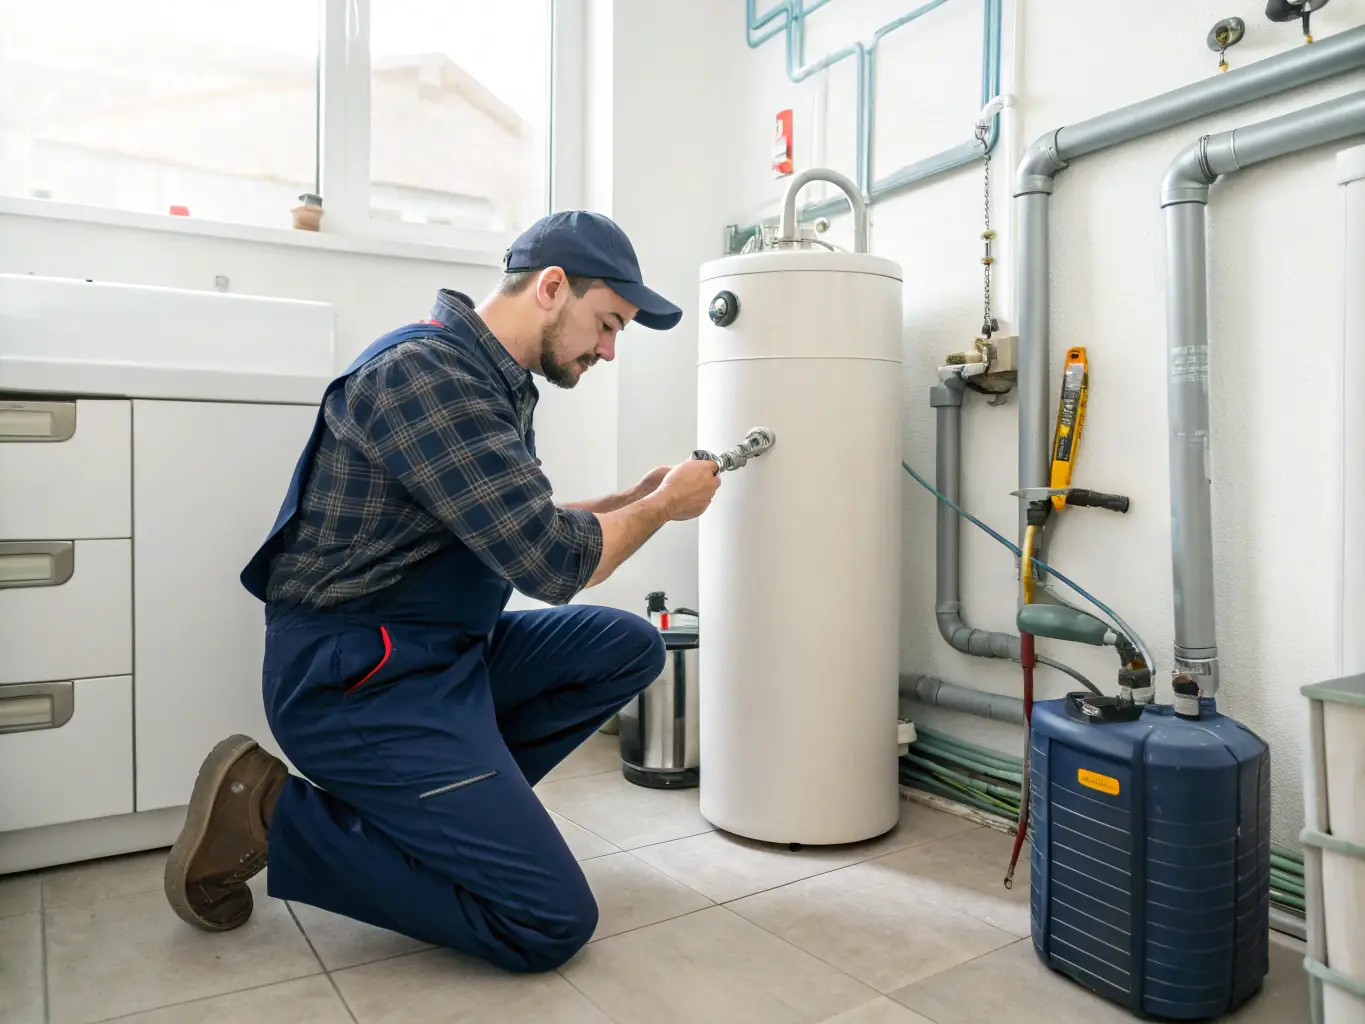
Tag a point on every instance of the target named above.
point(1128, 630)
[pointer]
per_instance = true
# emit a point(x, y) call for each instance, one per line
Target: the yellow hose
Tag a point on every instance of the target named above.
point(1026, 564)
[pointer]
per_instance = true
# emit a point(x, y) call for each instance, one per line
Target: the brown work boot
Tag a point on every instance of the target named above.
point(223, 843)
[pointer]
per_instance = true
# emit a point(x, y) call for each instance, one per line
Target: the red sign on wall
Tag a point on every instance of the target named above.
point(782, 144)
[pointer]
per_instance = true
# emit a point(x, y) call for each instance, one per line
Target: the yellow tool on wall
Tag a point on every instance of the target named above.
point(1070, 419)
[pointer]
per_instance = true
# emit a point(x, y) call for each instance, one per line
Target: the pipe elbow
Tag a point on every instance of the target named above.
point(787, 221)
point(981, 643)
point(1188, 176)
point(1041, 164)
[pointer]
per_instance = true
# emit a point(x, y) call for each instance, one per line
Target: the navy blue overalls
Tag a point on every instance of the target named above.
point(422, 715)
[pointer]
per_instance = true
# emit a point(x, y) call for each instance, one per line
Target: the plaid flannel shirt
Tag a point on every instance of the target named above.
point(426, 446)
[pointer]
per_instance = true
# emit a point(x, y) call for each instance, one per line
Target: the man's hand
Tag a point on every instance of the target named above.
point(684, 493)
point(649, 483)
point(687, 488)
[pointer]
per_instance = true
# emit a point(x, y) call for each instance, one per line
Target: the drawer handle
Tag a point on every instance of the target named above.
point(37, 421)
point(26, 707)
point(36, 563)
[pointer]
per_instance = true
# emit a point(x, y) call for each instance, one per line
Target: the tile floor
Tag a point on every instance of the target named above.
point(696, 928)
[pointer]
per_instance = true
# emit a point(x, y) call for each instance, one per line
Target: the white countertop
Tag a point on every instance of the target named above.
point(71, 337)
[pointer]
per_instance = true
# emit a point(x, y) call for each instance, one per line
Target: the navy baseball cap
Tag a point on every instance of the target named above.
point(584, 244)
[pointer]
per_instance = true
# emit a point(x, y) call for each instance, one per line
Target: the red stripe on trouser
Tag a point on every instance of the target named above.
point(388, 651)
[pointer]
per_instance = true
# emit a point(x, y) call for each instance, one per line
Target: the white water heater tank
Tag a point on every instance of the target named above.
point(800, 550)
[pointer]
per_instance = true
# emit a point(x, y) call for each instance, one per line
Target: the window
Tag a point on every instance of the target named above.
point(160, 106)
point(459, 104)
point(426, 120)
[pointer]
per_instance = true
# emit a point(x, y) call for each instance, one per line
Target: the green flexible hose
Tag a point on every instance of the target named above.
point(1286, 862)
point(915, 780)
point(1000, 792)
point(1286, 883)
point(943, 739)
point(961, 784)
point(999, 773)
point(1286, 899)
point(975, 760)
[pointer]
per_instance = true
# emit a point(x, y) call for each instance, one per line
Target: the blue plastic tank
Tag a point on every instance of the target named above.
point(1150, 862)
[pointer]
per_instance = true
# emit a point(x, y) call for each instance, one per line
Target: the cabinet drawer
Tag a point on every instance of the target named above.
point(80, 769)
point(59, 626)
point(65, 469)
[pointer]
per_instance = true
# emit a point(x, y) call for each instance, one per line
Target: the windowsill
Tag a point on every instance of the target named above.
point(317, 240)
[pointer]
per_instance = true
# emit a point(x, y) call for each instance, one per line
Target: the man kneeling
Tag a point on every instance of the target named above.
point(419, 710)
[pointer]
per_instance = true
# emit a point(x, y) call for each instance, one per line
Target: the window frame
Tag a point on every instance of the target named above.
point(344, 126)
point(343, 155)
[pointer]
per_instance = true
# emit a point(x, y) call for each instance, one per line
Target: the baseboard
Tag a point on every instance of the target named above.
point(76, 841)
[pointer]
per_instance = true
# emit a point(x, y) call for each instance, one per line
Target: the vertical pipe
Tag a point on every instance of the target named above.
point(1032, 272)
point(948, 479)
point(1187, 334)
point(1316, 819)
point(1351, 526)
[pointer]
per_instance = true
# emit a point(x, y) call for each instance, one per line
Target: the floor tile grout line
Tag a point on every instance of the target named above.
point(289, 908)
point(868, 985)
point(591, 1001)
point(318, 957)
point(671, 878)
point(797, 881)
point(386, 958)
point(42, 959)
point(806, 952)
point(964, 963)
point(205, 999)
point(345, 1003)
point(652, 924)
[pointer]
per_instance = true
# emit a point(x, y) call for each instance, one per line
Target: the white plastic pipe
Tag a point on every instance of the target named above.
point(1351, 521)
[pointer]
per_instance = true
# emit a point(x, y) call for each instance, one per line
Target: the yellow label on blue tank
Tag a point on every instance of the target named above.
point(1093, 780)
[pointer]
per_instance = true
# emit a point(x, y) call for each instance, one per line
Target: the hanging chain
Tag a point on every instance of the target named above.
point(989, 325)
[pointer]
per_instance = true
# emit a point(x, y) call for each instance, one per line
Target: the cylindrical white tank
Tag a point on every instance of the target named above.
point(800, 551)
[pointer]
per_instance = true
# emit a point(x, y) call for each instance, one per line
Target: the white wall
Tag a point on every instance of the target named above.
point(671, 71)
point(1274, 319)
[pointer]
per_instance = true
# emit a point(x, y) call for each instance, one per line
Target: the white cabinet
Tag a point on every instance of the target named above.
point(81, 769)
point(208, 479)
point(65, 469)
point(147, 437)
point(75, 624)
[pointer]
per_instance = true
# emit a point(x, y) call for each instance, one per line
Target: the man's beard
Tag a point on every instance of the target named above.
point(557, 373)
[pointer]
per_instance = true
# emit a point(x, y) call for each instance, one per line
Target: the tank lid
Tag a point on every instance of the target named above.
point(774, 261)
point(1099, 709)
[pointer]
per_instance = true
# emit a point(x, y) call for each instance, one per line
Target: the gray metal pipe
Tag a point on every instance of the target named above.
point(1184, 197)
point(946, 399)
point(1290, 69)
point(1188, 413)
point(1035, 429)
point(1051, 154)
point(940, 694)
